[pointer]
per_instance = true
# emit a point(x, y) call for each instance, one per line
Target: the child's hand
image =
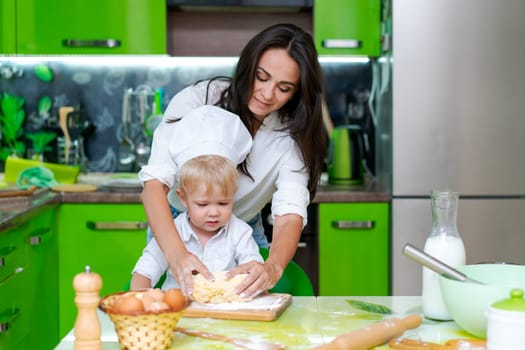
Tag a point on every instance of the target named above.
point(183, 269)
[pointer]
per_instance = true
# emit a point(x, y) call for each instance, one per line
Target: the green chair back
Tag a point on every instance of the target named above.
point(294, 280)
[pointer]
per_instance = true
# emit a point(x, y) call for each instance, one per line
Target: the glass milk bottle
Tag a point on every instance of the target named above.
point(445, 244)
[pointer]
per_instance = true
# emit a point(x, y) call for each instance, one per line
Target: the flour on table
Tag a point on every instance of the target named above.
point(262, 302)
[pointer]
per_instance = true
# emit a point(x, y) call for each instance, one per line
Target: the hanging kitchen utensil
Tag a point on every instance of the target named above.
point(75, 126)
point(143, 149)
point(155, 118)
point(126, 154)
point(436, 265)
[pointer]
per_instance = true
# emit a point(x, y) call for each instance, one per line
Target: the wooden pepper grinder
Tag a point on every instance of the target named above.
point(87, 331)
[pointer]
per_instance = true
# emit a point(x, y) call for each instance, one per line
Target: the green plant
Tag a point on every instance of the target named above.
point(40, 141)
point(12, 117)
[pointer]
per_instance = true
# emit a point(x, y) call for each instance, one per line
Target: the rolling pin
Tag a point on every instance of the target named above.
point(373, 335)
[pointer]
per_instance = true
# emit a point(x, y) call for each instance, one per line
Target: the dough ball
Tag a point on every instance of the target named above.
point(219, 291)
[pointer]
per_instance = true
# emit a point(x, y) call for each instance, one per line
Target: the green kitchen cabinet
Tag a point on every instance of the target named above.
point(42, 244)
point(7, 26)
point(354, 249)
point(86, 27)
point(14, 294)
point(28, 282)
point(347, 27)
point(109, 238)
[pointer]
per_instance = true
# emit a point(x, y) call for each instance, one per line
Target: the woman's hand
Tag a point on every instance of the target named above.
point(261, 277)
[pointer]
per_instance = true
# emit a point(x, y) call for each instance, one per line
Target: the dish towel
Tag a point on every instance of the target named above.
point(36, 176)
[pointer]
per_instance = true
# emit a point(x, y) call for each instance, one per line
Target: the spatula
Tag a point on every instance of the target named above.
point(250, 344)
point(62, 115)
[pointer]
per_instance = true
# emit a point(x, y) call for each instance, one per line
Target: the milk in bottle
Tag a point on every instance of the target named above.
point(445, 244)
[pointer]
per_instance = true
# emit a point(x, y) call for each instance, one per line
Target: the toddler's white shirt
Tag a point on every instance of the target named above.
point(231, 246)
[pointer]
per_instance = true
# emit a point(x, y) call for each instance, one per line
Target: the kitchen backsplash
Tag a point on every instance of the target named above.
point(95, 85)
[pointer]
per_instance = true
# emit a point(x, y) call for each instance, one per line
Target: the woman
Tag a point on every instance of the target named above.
point(277, 91)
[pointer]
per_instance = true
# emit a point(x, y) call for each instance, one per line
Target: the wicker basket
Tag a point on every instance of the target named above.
point(141, 331)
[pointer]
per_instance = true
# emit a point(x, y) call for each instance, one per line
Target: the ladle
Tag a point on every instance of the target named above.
point(127, 147)
point(436, 265)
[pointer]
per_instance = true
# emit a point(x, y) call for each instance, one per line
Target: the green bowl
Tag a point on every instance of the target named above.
point(468, 303)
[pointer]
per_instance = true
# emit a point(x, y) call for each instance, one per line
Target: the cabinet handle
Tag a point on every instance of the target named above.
point(116, 225)
point(38, 236)
point(341, 224)
point(5, 252)
point(107, 43)
point(5, 325)
point(342, 43)
point(302, 245)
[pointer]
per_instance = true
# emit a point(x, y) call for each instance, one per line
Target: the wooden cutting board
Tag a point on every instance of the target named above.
point(16, 192)
point(266, 307)
point(74, 188)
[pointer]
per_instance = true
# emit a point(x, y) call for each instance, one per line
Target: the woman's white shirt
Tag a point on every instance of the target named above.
point(275, 162)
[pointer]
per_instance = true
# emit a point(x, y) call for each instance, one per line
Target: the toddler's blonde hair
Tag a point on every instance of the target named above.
point(210, 170)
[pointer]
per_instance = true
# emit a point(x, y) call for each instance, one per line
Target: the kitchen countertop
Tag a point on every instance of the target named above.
point(370, 191)
point(16, 206)
point(325, 194)
point(308, 322)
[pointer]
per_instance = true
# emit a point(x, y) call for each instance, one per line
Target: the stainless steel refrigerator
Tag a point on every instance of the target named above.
point(459, 124)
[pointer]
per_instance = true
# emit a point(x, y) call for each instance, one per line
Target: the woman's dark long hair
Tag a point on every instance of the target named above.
point(302, 115)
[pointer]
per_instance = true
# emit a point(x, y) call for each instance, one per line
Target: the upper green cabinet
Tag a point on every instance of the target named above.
point(85, 27)
point(347, 27)
point(7, 26)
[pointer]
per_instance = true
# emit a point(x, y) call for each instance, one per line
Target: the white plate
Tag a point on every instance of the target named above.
point(124, 185)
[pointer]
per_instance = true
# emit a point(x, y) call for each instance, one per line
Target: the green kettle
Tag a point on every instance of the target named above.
point(345, 156)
